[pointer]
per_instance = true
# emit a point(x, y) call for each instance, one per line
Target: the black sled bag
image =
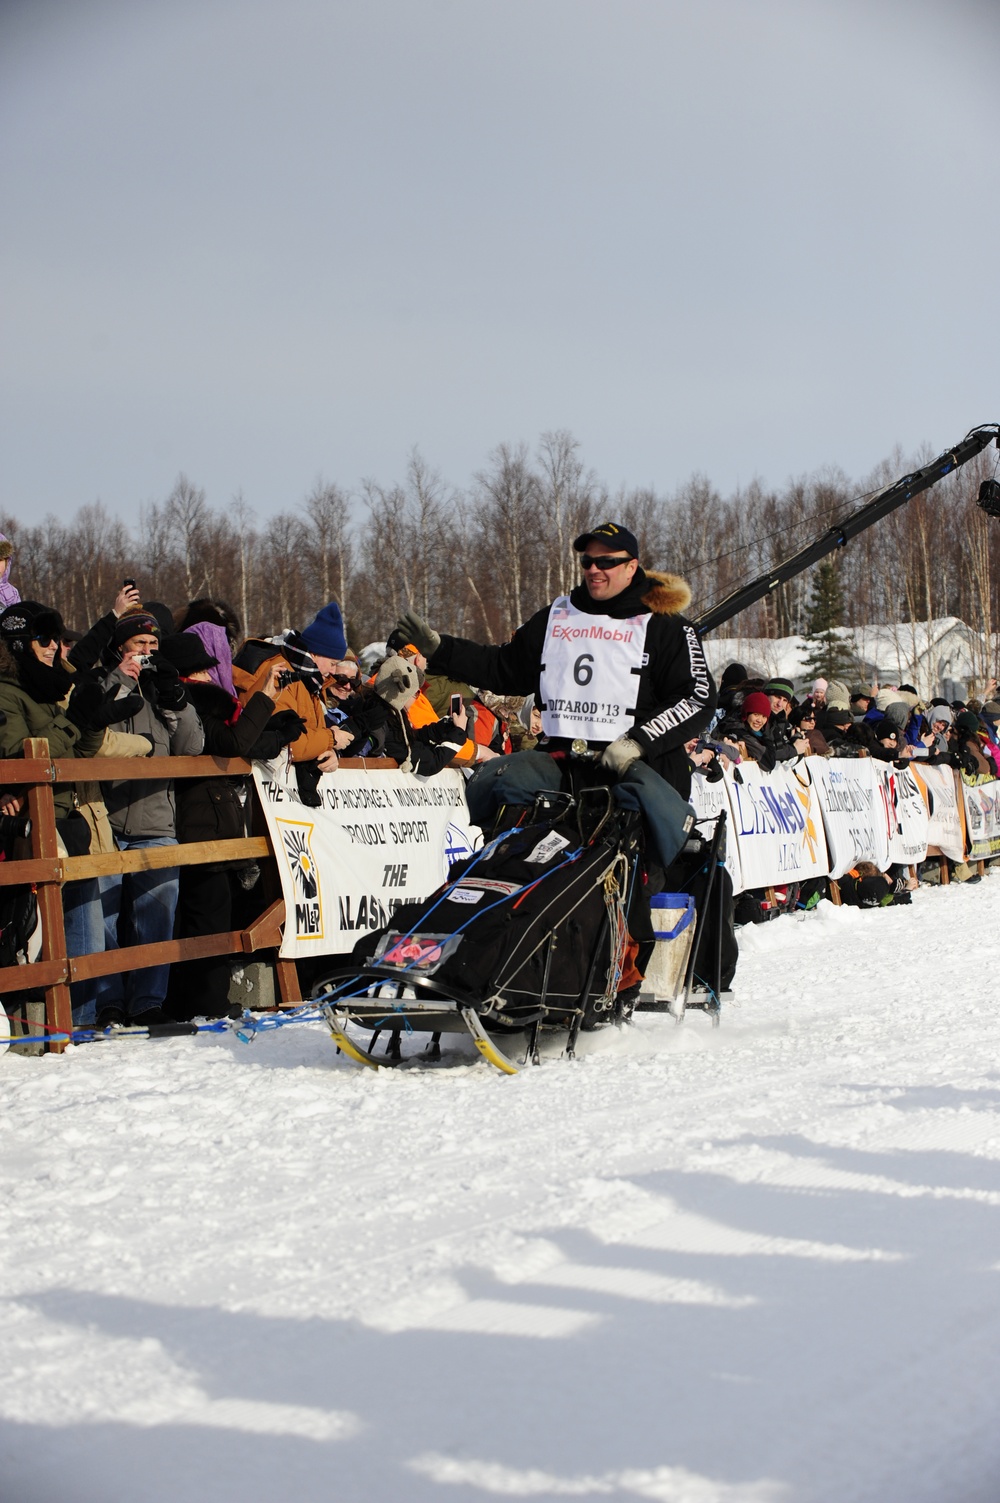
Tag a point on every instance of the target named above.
point(536, 908)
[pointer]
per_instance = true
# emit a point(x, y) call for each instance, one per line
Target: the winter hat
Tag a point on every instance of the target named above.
point(187, 653)
point(839, 715)
point(886, 730)
point(991, 709)
point(898, 713)
point(21, 623)
point(609, 535)
point(820, 686)
point(779, 686)
point(837, 694)
point(967, 722)
point(908, 697)
point(756, 703)
point(862, 691)
point(939, 712)
point(884, 698)
point(325, 633)
point(735, 674)
point(137, 623)
point(215, 640)
point(397, 683)
point(162, 615)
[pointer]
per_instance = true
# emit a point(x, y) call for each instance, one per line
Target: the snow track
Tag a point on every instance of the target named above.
point(753, 1265)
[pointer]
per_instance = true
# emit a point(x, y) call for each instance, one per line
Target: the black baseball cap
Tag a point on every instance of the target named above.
point(612, 535)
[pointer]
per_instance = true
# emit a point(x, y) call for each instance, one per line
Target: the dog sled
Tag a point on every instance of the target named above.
point(528, 936)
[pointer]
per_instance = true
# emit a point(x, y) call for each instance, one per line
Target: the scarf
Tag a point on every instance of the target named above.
point(302, 662)
point(215, 642)
point(46, 685)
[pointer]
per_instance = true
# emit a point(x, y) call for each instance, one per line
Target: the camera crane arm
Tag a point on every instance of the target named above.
point(841, 533)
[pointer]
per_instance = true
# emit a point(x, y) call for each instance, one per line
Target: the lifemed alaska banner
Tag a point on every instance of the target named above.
point(378, 840)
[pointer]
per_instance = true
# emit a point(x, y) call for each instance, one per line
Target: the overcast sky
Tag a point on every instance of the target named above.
point(263, 242)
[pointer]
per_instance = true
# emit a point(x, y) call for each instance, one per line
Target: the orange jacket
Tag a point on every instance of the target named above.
point(317, 737)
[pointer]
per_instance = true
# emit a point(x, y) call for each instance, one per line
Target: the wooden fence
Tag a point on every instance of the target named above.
point(45, 870)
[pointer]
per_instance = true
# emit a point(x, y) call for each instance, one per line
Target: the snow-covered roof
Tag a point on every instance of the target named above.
point(925, 653)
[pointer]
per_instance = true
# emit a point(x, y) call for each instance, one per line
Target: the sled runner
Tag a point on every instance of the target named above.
point(528, 933)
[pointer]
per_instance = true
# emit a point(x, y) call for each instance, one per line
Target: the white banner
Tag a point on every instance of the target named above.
point(708, 800)
point(905, 814)
point(982, 817)
point(944, 827)
point(777, 823)
point(378, 840)
point(849, 793)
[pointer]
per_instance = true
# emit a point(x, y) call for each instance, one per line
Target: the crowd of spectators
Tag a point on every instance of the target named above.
point(762, 720)
point(148, 681)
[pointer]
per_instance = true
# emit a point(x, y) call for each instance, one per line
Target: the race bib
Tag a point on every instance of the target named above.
point(590, 673)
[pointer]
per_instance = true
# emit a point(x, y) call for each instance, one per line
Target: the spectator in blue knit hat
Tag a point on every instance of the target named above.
point(309, 660)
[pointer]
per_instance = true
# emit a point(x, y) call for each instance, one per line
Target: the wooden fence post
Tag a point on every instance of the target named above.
point(45, 844)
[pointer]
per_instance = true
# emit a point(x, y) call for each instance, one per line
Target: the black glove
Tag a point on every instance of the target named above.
point(94, 709)
point(85, 702)
point(416, 630)
point(288, 726)
point(166, 683)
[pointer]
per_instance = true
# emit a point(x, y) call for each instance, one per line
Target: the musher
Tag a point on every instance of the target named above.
point(618, 673)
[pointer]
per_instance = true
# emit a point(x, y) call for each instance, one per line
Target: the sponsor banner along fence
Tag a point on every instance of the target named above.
point(945, 810)
point(821, 816)
point(380, 839)
point(982, 816)
point(905, 809)
point(377, 840)
point(850, 796)
point(774, 824)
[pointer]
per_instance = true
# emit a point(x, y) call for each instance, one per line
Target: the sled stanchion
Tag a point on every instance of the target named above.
point(485, 1044)
point(713, 860)
point(584, 997)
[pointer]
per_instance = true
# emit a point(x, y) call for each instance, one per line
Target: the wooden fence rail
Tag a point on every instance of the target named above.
point(37, 862)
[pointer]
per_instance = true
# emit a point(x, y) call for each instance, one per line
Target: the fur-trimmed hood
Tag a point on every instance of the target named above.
point(662, 594)
point(667, 595)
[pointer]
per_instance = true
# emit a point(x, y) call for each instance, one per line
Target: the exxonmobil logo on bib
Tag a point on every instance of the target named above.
point(593, 633)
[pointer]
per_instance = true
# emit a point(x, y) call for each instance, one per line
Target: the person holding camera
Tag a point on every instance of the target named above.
point(308, 660)
point(139, 907)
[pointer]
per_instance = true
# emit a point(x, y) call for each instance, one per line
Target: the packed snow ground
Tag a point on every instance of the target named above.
point(757, 1265)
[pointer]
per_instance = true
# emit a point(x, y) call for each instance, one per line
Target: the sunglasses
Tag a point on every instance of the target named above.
point(343, 679)
point(44, 640)
point(605, 563)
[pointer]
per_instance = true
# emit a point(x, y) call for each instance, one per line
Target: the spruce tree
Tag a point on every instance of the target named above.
point(827, 654)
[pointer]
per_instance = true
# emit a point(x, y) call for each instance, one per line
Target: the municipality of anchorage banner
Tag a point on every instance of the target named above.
point(849, 791)
point(377, 840)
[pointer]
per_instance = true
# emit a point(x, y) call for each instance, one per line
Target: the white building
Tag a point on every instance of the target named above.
point(943, 657)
